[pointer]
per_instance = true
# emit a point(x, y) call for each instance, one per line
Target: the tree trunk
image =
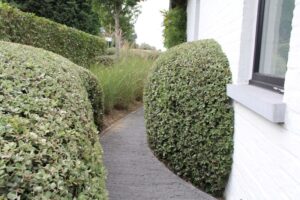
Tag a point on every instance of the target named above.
point(117, 31)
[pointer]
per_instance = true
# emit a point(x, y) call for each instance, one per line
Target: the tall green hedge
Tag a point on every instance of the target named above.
point(74, 13)
point(174, 26)
point(49, 143)
point(25, 28)
point(189, 117)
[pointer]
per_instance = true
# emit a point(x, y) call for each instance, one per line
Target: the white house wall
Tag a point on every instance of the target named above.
point(222, 21)
point(266, 155)
point(292, 84)
point(191, 20)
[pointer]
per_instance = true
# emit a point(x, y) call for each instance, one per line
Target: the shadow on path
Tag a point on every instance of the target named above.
point(134, 173)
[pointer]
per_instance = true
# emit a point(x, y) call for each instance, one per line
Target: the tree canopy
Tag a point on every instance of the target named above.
point(119, 14)
point(127, 20)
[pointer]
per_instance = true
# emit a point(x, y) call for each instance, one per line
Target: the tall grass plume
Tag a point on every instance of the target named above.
point(123, 82)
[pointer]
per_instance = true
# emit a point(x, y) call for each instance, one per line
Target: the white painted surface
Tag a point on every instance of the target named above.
point(247, 44)
point(262, 101)
point(191, 18)
point(222, 21)
point(266, 160)
point(266, 155)
point(292, 84)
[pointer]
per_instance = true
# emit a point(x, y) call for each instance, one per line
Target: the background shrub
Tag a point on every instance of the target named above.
point(110, 51)
point(174, 26)
point(48, 140)
point(146, 46)
point(74, 13)
point(25, 28)
point(106, 60)
point(189, 118)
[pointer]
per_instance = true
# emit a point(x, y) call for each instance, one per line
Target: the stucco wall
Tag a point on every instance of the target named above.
point(267, 155)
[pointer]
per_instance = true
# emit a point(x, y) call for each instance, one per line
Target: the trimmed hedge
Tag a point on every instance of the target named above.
point(49, 143)
point(189, 117)
point(78, 14)
point(26, 28)
point(95, 95)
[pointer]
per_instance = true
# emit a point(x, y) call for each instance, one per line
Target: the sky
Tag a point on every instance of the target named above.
point(149, 23)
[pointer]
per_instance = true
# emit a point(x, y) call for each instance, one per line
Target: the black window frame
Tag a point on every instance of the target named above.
point(259, 79)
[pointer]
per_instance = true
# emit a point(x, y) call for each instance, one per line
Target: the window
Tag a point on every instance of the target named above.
point(274, 27)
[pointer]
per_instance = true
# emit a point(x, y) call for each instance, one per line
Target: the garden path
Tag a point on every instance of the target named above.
point(134, 173)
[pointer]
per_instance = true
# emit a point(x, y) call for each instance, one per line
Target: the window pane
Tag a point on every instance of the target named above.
point(277, 28)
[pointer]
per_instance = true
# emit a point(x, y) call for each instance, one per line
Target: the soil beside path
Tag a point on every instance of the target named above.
point(134, 173)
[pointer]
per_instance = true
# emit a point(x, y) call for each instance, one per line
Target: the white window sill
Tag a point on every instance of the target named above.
point(264, 102)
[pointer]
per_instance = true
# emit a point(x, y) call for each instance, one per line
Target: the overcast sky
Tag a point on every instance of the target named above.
point(149, 23)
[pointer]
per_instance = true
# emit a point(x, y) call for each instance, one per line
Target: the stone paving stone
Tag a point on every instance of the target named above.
point(134, 173)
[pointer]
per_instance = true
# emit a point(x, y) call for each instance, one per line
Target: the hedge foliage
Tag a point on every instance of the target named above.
point(189, 118)
point(174, 26)
point(74, 13)
point(48, 139)
point(25, 28)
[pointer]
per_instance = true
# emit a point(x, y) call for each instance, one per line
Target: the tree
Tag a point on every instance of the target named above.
point(74, 13)
point(127, 21)
point(122, 11)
